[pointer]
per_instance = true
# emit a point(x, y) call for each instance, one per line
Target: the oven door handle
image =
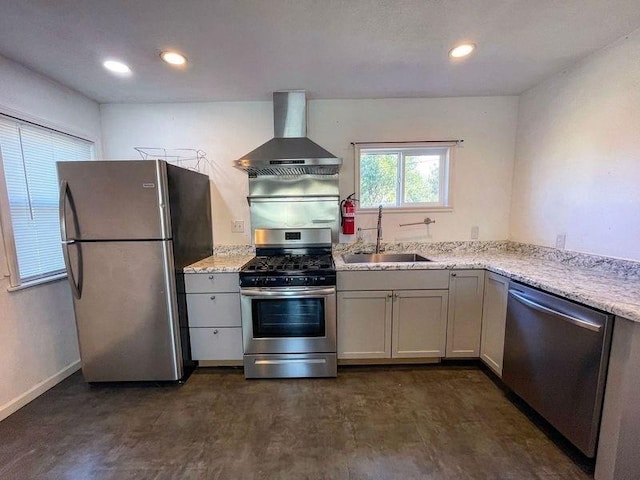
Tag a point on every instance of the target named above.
point(307, 292)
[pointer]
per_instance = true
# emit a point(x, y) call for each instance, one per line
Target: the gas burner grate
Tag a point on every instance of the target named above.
point(288, 263)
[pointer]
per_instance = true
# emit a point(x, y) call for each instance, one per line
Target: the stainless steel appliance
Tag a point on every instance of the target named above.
point(555, 358)
point(290, 152)
point(128, 228)
point(293, 182)
point(288, 305)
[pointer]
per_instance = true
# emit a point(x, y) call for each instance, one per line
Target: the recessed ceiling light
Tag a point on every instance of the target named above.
point(462, 50)
point(116, 67)
point(173, 58)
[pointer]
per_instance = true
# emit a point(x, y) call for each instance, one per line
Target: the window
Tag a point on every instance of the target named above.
point(28, 155)
point(403, 176)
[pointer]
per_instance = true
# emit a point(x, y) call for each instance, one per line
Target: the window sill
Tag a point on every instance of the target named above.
point(404, 210)
point(35, 283)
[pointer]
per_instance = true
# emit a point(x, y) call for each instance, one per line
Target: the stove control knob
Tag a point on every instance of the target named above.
point(287, 280)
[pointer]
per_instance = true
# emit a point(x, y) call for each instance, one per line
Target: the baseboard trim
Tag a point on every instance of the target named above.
point(34, 392)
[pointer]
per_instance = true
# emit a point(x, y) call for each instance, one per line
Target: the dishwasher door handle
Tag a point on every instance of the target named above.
point(541, 308)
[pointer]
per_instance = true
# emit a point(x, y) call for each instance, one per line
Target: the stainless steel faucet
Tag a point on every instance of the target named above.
point(379, 236)
point(378, 228)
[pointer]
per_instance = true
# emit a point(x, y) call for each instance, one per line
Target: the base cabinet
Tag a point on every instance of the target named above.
point(494, 317)
point(464, 325)
point(213, 306)
point(392, 324)
point(221, 343)
point(364, 324)
point(419, 323)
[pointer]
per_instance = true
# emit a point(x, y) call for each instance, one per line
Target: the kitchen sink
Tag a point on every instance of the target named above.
point(383, 257)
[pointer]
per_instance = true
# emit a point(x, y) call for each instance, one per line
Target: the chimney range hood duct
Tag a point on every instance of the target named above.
point(290, 152)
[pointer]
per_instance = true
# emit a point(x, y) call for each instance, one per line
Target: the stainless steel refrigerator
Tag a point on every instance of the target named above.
point(128, 228)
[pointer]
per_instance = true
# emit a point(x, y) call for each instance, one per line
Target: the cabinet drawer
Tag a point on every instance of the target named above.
point(211, 282)
point(223, 343)
point(213, 309)
point(394, 280)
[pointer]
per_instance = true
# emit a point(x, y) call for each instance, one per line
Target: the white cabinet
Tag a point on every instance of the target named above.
point(364, 324)
point(419, 323)
point(216, 343)
point(464, 324)
point(214, 309)
point(213, 306)
point(494, 316)
point(378, 320)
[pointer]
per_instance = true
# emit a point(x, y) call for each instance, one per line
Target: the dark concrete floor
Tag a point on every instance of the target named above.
point(370, 423)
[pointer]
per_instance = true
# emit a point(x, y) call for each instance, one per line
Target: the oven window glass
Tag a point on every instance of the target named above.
point(290, 317)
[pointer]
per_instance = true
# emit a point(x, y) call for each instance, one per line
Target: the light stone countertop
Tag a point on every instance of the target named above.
point(578, 277)
point(219, 264)
point(604, 290)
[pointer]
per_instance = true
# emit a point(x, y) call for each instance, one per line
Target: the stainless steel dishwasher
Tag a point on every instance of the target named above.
point(555, 358)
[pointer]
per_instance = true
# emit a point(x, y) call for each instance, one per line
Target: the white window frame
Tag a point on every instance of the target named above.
point(6, 225)
point(445, 203)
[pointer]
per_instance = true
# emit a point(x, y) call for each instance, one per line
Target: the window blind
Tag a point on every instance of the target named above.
point(29, 156)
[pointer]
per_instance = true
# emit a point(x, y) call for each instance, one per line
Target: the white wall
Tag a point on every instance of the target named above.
point(482, 171)
point(577, 167)
point(38, 343)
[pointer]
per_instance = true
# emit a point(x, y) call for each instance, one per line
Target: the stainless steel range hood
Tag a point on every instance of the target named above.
point(290, 152)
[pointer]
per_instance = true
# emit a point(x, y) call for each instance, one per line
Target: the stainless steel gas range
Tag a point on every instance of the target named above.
point(288, 302)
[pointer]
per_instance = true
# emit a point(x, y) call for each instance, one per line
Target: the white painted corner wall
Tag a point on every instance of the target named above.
point(482, 170)
point(577, 162)
point(38, 341)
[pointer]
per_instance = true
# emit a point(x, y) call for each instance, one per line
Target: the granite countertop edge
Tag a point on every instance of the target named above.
point(598, 289)
point(219, 264)
point(602, 290)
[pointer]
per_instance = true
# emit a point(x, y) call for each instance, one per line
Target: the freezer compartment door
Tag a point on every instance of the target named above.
point(126, 313)
point(114, 200)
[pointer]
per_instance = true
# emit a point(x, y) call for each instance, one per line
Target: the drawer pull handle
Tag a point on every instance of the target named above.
point(210, 277)
point(453, 274)
point(215, 332)
point(212, 297)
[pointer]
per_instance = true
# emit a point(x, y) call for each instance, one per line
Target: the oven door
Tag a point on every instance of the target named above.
point(288, 320)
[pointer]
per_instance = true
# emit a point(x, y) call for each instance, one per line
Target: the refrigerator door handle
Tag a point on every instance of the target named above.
point(62, 209)
point(75, 289)
point(64, 189)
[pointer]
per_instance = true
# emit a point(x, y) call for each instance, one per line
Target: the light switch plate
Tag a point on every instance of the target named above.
point(475, 232)
point(237, 226)
point(560, 240)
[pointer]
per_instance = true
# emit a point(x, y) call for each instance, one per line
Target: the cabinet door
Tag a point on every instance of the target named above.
point(419, 323)
point(364, 324)
point(466, 289)
point(494, 316)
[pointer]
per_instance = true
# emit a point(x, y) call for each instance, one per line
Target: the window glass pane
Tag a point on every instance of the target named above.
point(29, 154)
point(422, 178)
point(378, 179)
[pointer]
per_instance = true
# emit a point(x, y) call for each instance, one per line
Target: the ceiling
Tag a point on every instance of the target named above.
point(244, 49)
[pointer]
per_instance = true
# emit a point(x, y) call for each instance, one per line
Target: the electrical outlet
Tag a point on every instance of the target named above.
point(237, 226)
point(475, 231)
point(560, 240)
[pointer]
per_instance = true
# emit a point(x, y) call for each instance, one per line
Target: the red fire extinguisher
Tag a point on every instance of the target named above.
point(348, 215)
